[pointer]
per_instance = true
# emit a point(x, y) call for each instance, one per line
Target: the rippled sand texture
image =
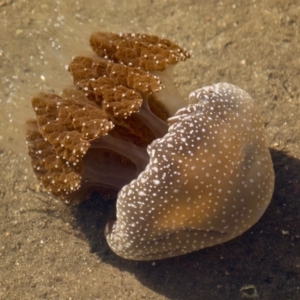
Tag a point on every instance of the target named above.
point(48, 251)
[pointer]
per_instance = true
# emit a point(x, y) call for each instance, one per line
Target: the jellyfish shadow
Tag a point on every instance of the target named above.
point(262, 263)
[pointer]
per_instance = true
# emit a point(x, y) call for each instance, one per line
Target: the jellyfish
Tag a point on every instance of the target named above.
point(186, 175)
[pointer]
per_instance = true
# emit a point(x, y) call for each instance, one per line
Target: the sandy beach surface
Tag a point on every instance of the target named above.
point(51, 251)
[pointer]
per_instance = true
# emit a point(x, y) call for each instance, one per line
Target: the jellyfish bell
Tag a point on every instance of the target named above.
point(209, 179)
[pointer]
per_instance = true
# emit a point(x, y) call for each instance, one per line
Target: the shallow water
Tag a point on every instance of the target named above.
point(50, 251)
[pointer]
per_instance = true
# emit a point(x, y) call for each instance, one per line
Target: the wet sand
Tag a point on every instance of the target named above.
point(50, 251)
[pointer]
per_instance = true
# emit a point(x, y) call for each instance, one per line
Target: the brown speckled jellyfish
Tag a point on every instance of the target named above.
point(209, 179)
point(187, 176)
